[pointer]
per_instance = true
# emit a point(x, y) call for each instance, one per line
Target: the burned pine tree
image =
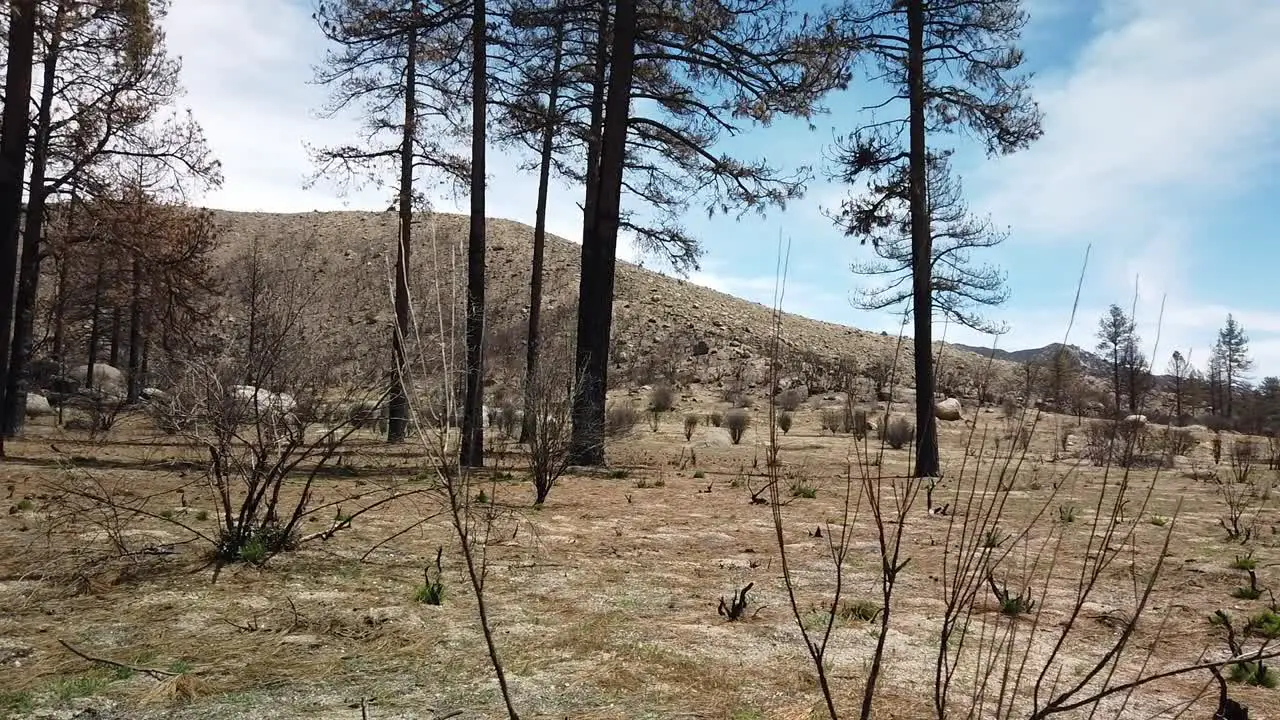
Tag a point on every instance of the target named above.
point(671, 81)
point(395, 62)
point(950, 67)
point(106, 81)
point(960, 286)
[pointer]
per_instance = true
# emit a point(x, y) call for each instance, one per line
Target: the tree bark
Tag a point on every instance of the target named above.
point(398, 404)
point(15, 126)
point(95, 325)
point(135, 333)
point(60, 315)
point(599, 249)
point(471, 450)
point(13, 410)
point(528, 427)
point(927, 464)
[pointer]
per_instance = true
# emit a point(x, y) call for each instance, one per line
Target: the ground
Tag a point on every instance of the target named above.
point(604, 601)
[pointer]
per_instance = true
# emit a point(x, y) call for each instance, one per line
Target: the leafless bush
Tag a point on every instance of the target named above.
point(833, 419)
point(1178, 441)
point(620, 419)
point(690, 424)
point(737, 421)
point(784, 422)
point(715, 418)
point(1124, 444)
point(550, 398)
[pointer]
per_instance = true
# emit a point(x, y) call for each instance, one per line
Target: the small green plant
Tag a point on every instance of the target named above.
point(482, 498)
point(619, 474)
point(698, 474)
point(202, 515)
point(166, 514)
point(181, 667)
point(431, 591)
point(1067, 513)
point(746, 714)
point(66, 688)
point(1245, 562)
point(1252, 673)
point(1264, 624)
point(1158, 520)
point(994, 538)
point(860, 610)
point(690, 424)
point(784, 422)
point(24, 505)
point(802, 489)
point(642, 483)
point(1246, 593)
point(19, 701)
point(736, 421)
point(1011, 604)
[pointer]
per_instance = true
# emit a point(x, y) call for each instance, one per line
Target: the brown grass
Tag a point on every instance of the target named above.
point(604, 600)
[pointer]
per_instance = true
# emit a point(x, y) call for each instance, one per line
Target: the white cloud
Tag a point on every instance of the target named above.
point(247, 67)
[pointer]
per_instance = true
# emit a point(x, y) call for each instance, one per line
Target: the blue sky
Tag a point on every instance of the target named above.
point(1161, 150)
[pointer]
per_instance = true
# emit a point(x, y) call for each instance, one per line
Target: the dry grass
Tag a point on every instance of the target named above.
point(604, 600)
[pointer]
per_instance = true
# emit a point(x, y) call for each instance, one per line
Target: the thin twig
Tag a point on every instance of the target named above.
point(156, 673)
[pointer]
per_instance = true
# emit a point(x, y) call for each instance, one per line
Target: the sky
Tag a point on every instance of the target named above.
point(1160, 155)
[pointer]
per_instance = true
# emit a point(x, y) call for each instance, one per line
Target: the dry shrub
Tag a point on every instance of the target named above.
point(620, 419)
point(690, 424)
point(832, 419)
point(737, 422)
point(790, 400)
point(784, 422)
point(661, 398)
point(715, 418)
point(1178, 441)
point(898, 433)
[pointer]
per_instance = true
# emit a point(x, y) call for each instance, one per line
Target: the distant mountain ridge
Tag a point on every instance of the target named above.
point(1093, 364)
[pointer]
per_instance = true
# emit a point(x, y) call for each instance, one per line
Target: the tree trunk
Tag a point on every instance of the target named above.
point(60, 315)
point(116, 338)
point(13, 410)
point(528, 427)
point(135, 333)
point(921, 250)
point(95, 325)
point(599, 249)
point(398, 403)
point(471, 450)
point(14, 128)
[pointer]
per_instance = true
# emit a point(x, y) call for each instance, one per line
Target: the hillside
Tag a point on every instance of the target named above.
point(1092, 363)
point(663, 326)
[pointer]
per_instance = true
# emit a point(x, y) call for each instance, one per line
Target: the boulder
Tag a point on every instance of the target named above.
point(105, 377)
point(948, 409)
point(1138, 420)
point(38, 406)
point(715, 437)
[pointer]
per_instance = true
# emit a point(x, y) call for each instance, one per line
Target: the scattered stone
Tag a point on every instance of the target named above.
point(38, 406)
point(307, 641)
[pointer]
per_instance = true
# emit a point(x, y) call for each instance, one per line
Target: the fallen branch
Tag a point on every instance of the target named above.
point(153, 672)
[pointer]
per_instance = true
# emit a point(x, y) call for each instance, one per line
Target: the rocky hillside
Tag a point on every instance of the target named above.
point(1093, 364)
point(663, 326)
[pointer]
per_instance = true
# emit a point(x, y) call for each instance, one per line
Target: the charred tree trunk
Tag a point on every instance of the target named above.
point(471, 451)
point(14, 408)
point(95, 326)
point(116, 338)
point(599, 249)
point(529, 426)
point(58, 317)
point(398, 404)
point(14, 128)
point(135, 333)
point(921, 249)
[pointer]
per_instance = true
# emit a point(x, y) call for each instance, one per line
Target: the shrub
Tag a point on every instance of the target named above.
point(784, 422)
point(737, 421)
point(790, 400)
point(832, 419)
point(1008, 406)
point(620, 418)
point(897, 433)
point(690, 424)
point(857, 422)
point(802, 489)
point(662, 398)
point(1178, 441)
point(716, 418)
